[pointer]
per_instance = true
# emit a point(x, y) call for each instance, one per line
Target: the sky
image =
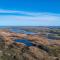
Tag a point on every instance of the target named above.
point(29, 12)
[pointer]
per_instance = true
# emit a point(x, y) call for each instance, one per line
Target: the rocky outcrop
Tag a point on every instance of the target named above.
point(38, 39)
point(21, 52)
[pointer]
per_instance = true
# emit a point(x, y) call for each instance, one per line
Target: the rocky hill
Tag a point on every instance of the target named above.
point(41, 48)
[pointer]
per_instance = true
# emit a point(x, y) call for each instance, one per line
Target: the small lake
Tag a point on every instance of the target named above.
point(25, 41)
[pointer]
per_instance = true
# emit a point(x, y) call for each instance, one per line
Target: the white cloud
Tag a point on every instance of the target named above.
point(29, 13)
point(31, 19)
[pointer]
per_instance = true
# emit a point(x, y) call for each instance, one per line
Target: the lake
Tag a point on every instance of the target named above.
point(21, 31)
point(25, 41)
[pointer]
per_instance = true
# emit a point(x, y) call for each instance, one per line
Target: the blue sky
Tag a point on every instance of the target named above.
point(29, 12)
